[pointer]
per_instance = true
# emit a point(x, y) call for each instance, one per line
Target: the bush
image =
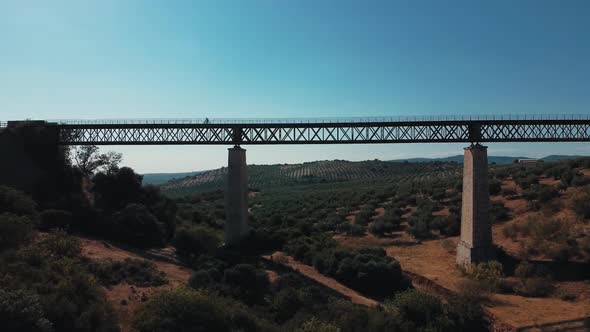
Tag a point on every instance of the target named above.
point(495, 187)
point(135, 225)
point(580, 203)
point(533, 280)
point(364, 215)
point(70, 297)
point(350, 229)
point(368, 270)
point(419, 228)
point(465, 309)
point(449, 245)
point(498, 212)
point(421, 309)
point(14, 230)
point(51, 219)
point(379, 228)
point(534, 286)
point(15, 202)
point(286, 303)
point(246, 282)
point(59, 244)
point(21, 311)
point(487, 275)
point(447, 225)
point(184, 309)
point(316, 325)
point(132, 271)
point(201, 279)
point(196, 240)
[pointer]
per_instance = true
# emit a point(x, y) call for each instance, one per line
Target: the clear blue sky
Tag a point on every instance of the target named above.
point(193, 59)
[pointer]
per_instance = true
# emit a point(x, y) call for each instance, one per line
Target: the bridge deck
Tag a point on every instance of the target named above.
point(433, 129)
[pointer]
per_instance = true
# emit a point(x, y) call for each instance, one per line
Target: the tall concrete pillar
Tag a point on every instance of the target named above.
point(236, 197)
point(475, 244)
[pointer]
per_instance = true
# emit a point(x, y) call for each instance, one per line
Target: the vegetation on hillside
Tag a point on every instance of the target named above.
point(46, 284)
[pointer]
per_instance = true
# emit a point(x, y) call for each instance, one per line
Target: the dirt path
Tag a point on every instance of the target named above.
point(312, 273)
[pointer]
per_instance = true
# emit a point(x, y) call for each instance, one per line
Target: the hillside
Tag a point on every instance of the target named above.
point(266, 176)
point(159, 178)
point(500, 160)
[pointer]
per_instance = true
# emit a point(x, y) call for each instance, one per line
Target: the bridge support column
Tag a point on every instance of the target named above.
point(236, 197)
point(475, 244)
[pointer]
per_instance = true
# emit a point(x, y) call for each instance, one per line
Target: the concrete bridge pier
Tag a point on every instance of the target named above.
point(475, 244)
point(236, 197)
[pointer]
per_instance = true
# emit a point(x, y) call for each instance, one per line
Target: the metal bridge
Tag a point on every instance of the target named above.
point(443, 129)
point(476, 230)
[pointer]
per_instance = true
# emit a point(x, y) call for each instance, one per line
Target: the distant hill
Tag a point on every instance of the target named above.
point(500, 160)
point(159, 178)
point(558, 157)
point(327, 171)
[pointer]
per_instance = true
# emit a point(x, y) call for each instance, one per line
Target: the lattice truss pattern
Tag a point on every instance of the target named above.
point(328, 133)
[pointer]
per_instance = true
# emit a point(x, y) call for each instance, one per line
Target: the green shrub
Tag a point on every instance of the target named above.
point(202, 279)
point(368, 270)
point(447, 225)
point(316, 325)
point(533, 280)
point(14, 230)
point(16, 202)
point(364, 215)
point(536, 286)
point(419, 228)
point(488, 275)
point(498, 212)
point(465, 309)
point(286, 303)
point(580, 203)
point(21, 311)
point(246, 282)
point(185, 309)
point(195, 241)
point(131, 271)
point(137, 226)
point(495, 187)
point(59, 244)
point(379, 228)
point(70, 297)
point(421, 309)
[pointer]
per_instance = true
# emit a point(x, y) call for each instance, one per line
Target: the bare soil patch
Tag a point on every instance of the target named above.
point(127, 299)
point(549, 181)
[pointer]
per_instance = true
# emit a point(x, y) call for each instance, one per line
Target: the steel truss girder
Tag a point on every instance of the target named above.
point(328, 133)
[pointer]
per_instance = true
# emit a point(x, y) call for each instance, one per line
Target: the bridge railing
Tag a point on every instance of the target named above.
point(411, 118)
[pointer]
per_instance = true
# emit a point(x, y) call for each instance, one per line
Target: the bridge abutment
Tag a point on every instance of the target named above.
point(475, 244)
point(236, 197)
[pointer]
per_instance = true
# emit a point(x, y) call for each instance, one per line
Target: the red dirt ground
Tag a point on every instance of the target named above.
point(127, 299)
